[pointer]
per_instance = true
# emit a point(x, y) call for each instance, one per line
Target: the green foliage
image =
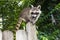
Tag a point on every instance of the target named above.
point(11, 11)
point(47, 30)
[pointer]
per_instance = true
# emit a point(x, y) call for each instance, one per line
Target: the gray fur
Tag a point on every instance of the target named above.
point(29, 15)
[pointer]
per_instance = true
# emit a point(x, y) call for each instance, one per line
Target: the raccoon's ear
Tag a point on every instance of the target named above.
point(39, 6)
point(32, 6)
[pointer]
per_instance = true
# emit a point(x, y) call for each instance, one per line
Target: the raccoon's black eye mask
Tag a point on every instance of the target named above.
point(35, 13)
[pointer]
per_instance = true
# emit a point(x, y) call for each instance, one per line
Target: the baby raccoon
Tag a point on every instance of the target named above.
point(29, 15)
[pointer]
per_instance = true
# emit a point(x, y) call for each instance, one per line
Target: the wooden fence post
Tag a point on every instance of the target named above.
point(21, 35)
point(31, 30)
point(7, 35)
point(0, 35)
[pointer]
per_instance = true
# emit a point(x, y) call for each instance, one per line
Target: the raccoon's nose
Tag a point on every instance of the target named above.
point(33, 17)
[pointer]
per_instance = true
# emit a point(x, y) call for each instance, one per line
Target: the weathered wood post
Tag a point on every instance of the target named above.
point(31, 31)
point(1, 27)
point(0, 35)
point(21, 35)
point(7, 35)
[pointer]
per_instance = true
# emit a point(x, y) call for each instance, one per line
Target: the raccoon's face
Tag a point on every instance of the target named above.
point(35, 11)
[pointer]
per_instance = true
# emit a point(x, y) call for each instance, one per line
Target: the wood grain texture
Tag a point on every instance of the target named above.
point(31, 30)
point(0, 35)
point(21, 35)
point(7, 35)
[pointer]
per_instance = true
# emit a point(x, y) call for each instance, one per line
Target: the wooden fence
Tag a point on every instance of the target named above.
point(28, 34)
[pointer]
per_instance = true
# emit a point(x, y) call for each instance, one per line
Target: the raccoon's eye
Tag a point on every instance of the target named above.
point(32, 13)
point(36, 13)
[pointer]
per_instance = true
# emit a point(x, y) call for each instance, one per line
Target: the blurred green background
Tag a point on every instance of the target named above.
point(46, 30)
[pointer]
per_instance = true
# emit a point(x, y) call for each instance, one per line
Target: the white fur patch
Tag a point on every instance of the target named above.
point(34, 15)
